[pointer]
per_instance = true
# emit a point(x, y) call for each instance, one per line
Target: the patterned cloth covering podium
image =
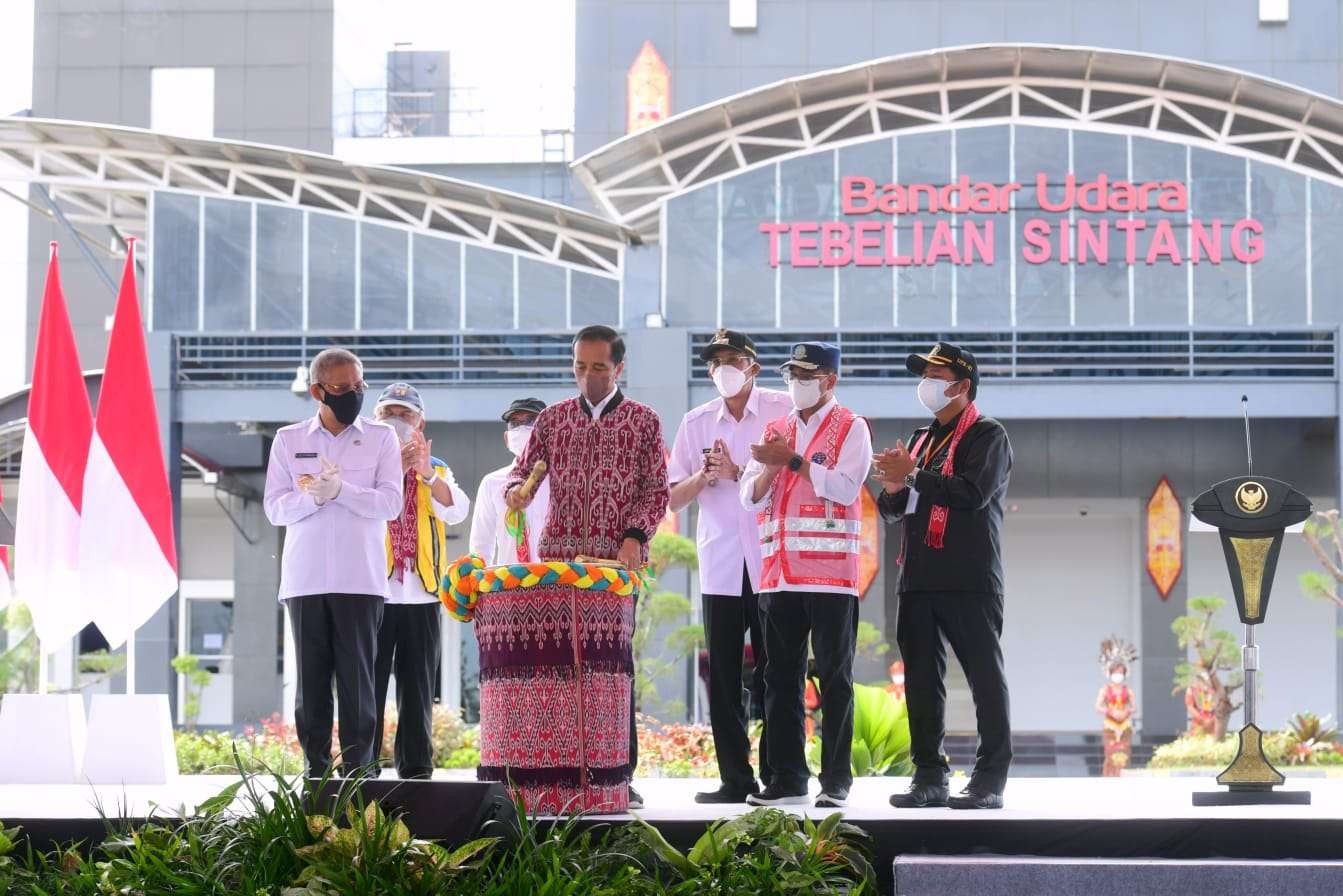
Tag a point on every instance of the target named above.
point(556, 671)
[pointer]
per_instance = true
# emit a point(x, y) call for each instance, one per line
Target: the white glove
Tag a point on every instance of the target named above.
point(326, 486)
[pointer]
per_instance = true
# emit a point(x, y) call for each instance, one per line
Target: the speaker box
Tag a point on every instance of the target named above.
point(452, 812)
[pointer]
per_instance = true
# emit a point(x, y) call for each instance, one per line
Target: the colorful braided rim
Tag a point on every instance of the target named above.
point(468, 578)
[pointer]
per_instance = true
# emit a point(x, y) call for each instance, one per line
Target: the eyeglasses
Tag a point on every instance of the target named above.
point(360, 386)
point(518, 424)
point(790, 377)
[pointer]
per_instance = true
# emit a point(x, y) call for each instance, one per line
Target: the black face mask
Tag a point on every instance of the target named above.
point(345, 406)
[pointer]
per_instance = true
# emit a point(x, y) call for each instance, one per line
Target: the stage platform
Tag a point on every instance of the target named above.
point(1136, 817)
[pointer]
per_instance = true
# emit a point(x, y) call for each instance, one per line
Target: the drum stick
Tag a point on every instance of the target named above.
point(533, 480)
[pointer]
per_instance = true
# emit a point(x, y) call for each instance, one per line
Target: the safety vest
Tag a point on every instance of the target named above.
point(806, 539)
point(431, 551)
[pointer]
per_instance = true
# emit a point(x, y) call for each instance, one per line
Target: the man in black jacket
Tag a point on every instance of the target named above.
point(948, 488)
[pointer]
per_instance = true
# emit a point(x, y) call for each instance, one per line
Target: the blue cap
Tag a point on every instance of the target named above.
point(811, 355)
point(403, 394)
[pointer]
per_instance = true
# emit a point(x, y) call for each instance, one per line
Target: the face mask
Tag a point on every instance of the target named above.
point(932, 394)
point(346, 406)
point(517, 439)
point(728, 380)
point(804, 394)
point(1117, 678)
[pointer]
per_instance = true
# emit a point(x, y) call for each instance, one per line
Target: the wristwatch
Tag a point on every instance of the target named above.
point(430, 480)
point(911, 477)
point(795, 463)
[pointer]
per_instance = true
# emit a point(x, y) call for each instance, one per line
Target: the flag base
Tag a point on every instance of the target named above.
point(130, 740)
point(42, 739)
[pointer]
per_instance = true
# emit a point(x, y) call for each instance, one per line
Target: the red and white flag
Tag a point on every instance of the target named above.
point(51, 477)
point(128, 556)
point(6, 590)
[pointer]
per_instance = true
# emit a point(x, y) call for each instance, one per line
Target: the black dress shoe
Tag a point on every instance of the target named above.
point(922, 796)
point(636, 801)
point(976, 799)
point(726, 794)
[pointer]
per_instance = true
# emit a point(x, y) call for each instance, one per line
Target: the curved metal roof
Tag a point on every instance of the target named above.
point(1162, 97)
point(102, 175)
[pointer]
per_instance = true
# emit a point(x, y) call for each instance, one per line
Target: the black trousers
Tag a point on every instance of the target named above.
point(972, 624)
point(728, 619)
point(831, 623)
point(335, 635)
point(409, 643)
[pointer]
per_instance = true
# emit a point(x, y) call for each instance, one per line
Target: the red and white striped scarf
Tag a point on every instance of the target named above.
point(405, 529)
point(938, 515)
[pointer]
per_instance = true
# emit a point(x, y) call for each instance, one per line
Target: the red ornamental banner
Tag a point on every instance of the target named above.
point(1165, 538)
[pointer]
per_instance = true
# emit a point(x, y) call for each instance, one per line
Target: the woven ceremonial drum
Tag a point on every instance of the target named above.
point(556, 669)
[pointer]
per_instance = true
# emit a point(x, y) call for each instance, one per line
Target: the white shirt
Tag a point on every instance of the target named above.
point(339, 547)
point(840, 485)
point(726, 533)
point(489, 537)
point(410, 590)
point(601, 405)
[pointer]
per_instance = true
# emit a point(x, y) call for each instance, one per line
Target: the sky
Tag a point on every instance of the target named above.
point(16, 92)
point(506, 81)
point(515, 80)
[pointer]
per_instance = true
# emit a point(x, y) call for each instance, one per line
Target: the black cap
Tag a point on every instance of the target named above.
point(728, 339)
point(961, 361)
point(530, 405)
point(811, 355)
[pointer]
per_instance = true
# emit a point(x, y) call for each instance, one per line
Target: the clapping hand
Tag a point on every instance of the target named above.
point(892, 466)
point(326, 485)
point(718, 463)
point(423, 455)
point(773, 451)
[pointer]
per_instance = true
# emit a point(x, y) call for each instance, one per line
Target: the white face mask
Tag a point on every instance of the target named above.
point(1117, 677)
point(404, 430)
point(729, 380)
point(933, 394)
point(517, 439)
point(804, 394)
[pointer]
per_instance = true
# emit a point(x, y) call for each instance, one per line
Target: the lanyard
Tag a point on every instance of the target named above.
point(933, 452)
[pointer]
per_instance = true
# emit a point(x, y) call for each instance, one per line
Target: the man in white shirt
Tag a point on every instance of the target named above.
point(333, 482)
point(711, 449)
point(805, 478)
point(410, 637)
point(493, 536)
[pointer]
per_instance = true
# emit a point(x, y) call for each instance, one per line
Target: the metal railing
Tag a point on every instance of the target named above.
point(1302, 354)
point(423, 358)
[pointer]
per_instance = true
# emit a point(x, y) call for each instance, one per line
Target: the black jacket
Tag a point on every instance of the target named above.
point(972, 557)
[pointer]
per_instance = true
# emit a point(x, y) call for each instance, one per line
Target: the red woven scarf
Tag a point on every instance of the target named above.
point(405, 529)
point(938, 515)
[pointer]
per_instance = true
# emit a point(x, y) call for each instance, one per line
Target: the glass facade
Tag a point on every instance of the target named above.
point(719, 270)
point(236, 265)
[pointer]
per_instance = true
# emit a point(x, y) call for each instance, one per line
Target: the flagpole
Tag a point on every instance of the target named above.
point(41, 667)
point(130, 664)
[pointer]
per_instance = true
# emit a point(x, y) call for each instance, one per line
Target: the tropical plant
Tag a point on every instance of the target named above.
point(19, 667)
point(658, 610)
point(763, 851)
point(881, 741)
point(1309, 736)
point(197, 680)
point(1210, 677)
point(1324, 533)
point(870, 643)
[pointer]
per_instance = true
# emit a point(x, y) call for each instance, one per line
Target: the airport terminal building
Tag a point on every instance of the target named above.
point(1132, 224)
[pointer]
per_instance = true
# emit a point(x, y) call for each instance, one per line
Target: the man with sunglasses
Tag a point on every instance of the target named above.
point(333, 482)
point(948, 488)
point(711, 448)
point(805, 480)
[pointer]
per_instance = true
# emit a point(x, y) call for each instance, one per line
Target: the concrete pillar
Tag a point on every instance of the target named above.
point(256, 612)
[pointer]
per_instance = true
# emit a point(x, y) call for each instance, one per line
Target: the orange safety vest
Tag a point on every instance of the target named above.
point(805, 538)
